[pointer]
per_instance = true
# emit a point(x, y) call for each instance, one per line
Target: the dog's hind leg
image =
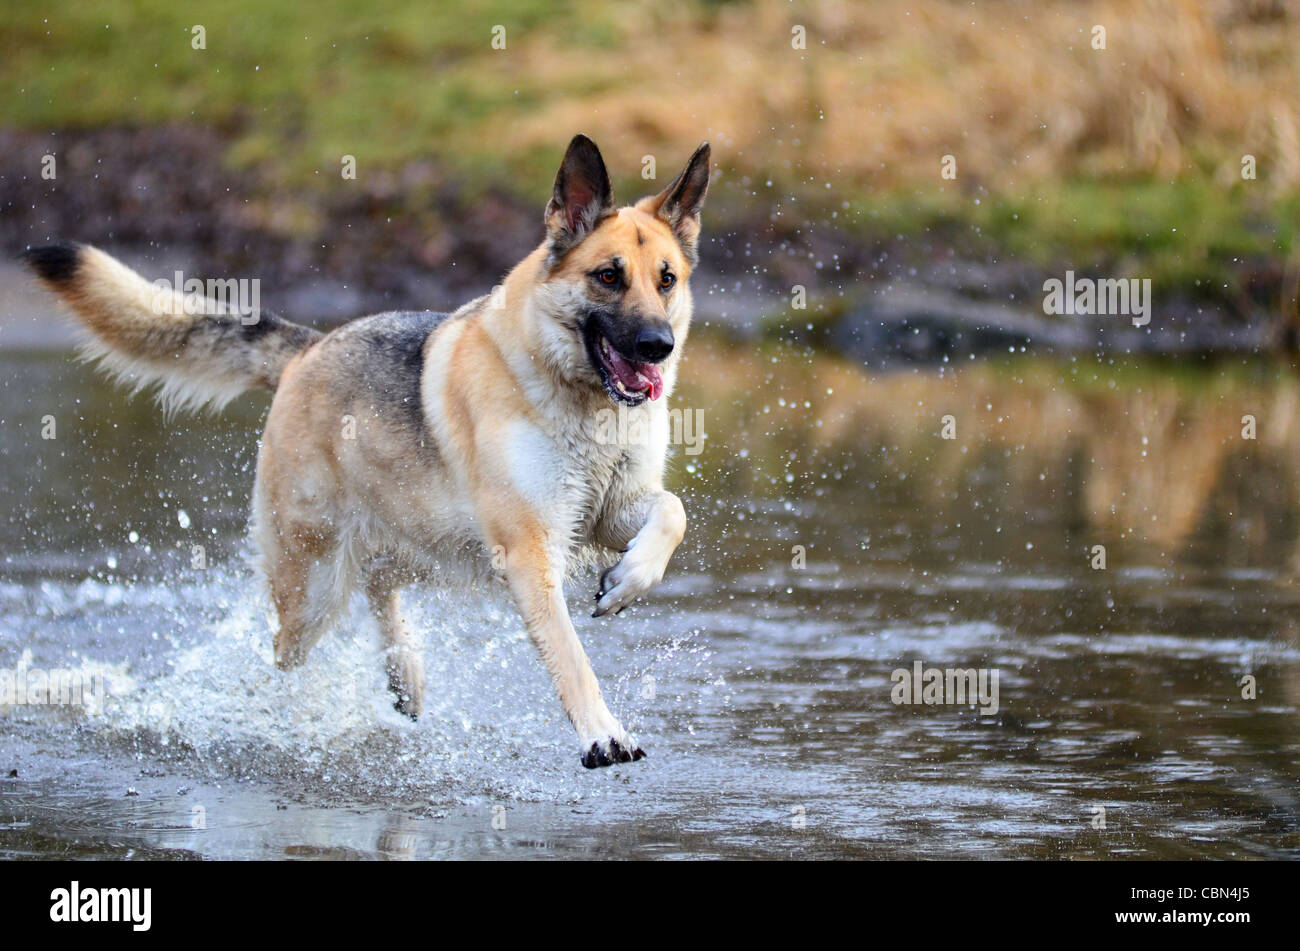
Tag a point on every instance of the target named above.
point(402, 660)
point(310, 584)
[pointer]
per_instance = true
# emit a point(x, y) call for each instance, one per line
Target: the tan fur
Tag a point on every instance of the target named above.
point(502, 479)
point(144, 336)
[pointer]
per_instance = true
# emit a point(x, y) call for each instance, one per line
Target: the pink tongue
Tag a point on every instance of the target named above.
point(637, 377)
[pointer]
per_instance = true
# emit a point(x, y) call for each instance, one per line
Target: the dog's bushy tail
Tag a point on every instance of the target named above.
point(200, 353)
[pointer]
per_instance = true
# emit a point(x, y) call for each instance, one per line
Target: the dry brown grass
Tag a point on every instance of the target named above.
point(1012, 89)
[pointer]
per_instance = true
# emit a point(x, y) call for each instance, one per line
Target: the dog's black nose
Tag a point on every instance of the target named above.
point(653, 343)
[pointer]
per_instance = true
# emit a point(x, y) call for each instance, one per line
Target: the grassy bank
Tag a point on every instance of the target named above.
point(1128, 156)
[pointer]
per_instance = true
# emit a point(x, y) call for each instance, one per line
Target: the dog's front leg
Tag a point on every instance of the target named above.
point(647, 528)
point(534, 573)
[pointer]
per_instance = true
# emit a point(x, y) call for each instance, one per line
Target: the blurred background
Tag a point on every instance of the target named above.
point(1171, 155)
point(1118, 162)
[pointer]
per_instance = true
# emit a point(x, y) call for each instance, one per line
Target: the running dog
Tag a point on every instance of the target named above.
point(417, 446)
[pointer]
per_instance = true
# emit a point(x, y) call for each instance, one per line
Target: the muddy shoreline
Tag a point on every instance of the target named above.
point(163, 198)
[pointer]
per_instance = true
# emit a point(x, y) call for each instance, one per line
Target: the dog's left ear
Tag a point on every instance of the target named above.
point(679, 204)
point(583, 196)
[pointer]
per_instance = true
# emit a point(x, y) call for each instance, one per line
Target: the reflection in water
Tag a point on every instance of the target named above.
point(835, 537)
point(1131, 455)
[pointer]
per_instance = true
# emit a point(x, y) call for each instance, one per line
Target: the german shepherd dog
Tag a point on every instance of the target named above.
point(416, 446)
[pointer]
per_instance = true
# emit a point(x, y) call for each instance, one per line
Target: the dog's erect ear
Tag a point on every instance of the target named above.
point(582, 196)
point(679, 204)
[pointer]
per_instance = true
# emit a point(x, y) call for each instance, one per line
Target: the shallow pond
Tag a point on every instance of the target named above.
point(836, 537)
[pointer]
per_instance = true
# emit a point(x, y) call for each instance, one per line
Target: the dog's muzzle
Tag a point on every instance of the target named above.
point(630, 378)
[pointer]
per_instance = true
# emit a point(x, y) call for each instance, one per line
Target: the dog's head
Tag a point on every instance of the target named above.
point(613, 283)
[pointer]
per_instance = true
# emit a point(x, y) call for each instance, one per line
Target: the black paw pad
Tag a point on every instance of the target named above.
point(596, 756)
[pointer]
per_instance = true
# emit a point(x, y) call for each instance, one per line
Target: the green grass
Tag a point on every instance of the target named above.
point(1190, 233)
point(303, 84)
point(297, 86)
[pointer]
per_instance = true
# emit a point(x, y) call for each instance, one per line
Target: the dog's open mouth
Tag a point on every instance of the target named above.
point(627, 381)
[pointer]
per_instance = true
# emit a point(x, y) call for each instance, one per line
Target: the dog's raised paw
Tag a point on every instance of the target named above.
point(610, 753)
point(623, 583)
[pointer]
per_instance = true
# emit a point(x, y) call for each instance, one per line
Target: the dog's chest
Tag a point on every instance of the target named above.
point(566, 476)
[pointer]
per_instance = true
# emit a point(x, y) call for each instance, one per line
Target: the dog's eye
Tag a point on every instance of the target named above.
point(667, 280)
point(608, 276)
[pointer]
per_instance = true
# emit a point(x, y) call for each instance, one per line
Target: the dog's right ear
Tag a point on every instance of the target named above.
point(583, 196)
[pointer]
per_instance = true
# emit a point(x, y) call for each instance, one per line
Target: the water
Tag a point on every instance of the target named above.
point(834, 537)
